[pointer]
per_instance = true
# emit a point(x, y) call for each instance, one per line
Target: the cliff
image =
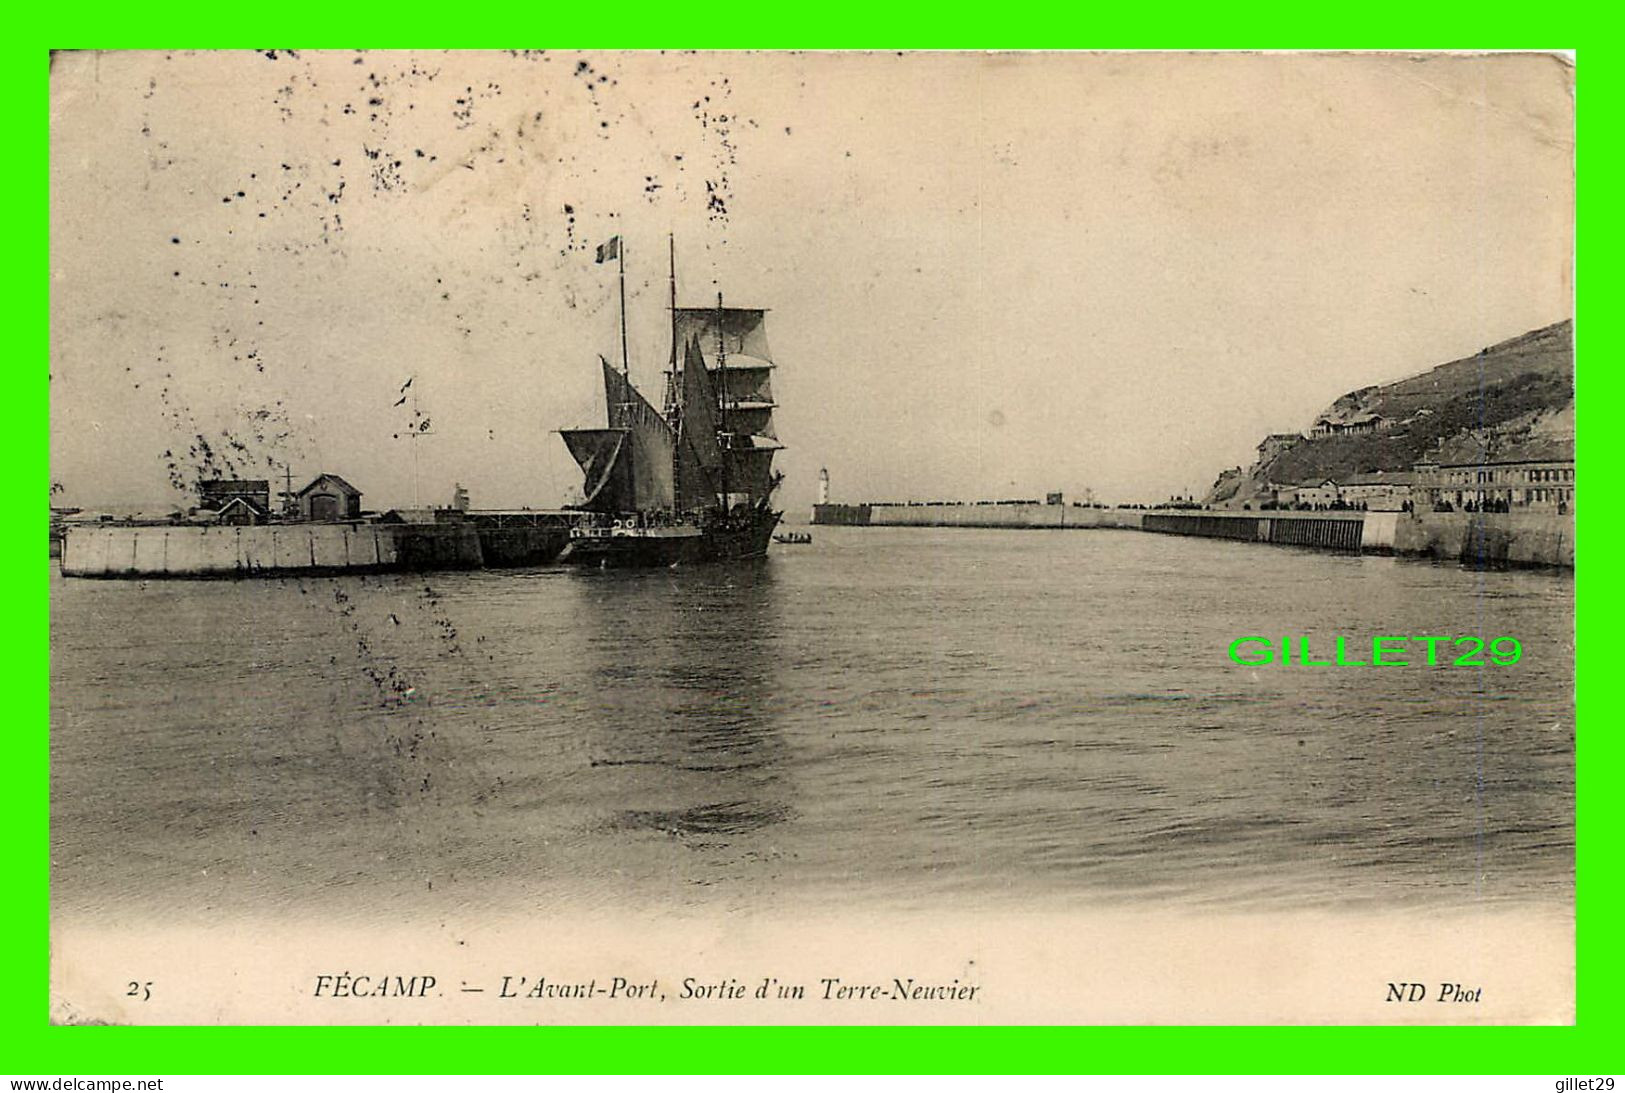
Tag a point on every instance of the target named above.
point(1514, 390)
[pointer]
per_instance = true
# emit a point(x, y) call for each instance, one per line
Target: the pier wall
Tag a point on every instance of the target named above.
point(1495, 538)
point(841, 515)
point(1327, 531)
point(1380, 530)
point(1001, 516)
point(1489, 538)
point(126, 551)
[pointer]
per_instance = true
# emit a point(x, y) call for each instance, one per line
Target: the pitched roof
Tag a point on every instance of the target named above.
point(1471, 450)
point(1540, 449)
point(254, 507)
point(1382, 478)
point(408, 516)
point(235, 485)
point(334, 479)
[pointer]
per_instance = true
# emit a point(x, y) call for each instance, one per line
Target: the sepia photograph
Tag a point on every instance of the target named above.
point(811, 538)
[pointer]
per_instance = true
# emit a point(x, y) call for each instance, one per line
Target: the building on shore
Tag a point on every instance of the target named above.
point(1315, 495)
point(1274, 444)
point(1378, 491)
point(1359, 425)
point(328, 498)
point(1536, 473)
point(214, 494)
point(242, 512)
point(434, 515)
point(1279, 495)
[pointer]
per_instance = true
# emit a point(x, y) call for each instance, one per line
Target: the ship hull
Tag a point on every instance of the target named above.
point(734, 539)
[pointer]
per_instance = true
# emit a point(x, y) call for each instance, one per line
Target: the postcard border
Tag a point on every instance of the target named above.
point(42, 1048)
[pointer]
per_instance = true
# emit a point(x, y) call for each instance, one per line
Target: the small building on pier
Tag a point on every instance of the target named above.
point(242, 512)
point(328, 498)
point(214, 494)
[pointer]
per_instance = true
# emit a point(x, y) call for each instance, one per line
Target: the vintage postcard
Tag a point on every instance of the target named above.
point(812, 538)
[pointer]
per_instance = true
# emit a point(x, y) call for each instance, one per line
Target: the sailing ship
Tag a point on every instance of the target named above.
point(693, 481)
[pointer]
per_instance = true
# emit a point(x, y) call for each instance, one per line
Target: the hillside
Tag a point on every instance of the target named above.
point(1522, 384)
point(1548, 351)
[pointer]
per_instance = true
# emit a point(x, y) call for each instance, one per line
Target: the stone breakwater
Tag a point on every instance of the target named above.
point(1494, 539)
point(1505, 538)
point(998, 516)
point(1476, 538)
point(1489, 539)
point(146, 551)
point(1328, 531)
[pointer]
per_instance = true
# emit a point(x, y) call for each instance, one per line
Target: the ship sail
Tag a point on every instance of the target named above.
point(634, 475)
point(651, 440)
point(699, 467)
point(743, 331)
point(693, 483)
point(733, 343)
point(608, 481)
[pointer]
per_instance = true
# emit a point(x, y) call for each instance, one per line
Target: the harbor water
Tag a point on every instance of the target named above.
point(901, 718)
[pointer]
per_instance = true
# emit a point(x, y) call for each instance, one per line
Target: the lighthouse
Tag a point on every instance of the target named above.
point(823, 485)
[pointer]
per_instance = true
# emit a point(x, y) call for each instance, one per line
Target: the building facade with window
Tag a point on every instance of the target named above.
point(1532, 474)
point(1378, 491)
point(1316, 494)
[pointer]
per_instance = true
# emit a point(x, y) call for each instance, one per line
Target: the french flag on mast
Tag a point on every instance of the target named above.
point(606, 251)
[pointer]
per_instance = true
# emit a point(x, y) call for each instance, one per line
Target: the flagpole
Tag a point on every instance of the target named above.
point(671, 245)
point(414, 449)
point(620, 256)
point(415, 431)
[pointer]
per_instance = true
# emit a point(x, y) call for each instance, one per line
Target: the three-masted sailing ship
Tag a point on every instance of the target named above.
point(693, 481)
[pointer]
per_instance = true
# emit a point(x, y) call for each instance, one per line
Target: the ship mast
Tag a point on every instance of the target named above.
point(722, 401)
point(671, 369)
point(671, 375)
point(626, 357)
point(620, 262)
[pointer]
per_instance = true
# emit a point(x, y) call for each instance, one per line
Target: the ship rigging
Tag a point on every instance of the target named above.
point(692, 481)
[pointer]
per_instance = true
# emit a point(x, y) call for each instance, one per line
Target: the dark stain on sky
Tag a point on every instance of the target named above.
point(310, 195)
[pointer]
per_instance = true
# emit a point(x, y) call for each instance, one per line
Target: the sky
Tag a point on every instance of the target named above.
point(989, 276)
